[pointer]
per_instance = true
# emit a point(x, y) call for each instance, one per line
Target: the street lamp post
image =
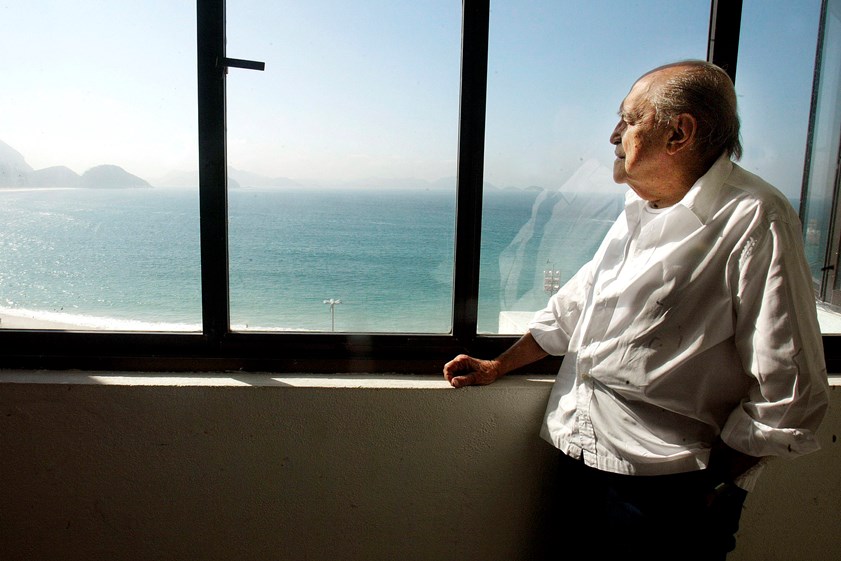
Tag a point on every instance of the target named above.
point(551, 280)
point(333, 303)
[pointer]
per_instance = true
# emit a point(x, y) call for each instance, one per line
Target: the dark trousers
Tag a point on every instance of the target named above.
point(679, 517)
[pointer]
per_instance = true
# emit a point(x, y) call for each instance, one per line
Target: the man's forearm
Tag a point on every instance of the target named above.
point(522, 353)
point(465, 370)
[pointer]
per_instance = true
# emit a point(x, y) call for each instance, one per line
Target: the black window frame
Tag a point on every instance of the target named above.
point(825, 286)
point(217, 347)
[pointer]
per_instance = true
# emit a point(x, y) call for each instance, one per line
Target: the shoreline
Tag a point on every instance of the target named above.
point(830, 323)
point(29, 189)
point(11, 321)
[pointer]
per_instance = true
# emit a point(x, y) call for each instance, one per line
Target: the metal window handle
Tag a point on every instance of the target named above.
point(239, 63)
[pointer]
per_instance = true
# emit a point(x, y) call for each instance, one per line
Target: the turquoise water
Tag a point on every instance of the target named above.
point(107, 259)
point(129, 259)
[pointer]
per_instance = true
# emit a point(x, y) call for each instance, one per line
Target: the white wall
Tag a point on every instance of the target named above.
point(253, 467)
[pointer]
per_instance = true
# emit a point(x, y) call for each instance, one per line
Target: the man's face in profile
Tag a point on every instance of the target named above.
point(642, 159)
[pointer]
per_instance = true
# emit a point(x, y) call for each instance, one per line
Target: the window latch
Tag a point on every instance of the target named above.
point(239, 63)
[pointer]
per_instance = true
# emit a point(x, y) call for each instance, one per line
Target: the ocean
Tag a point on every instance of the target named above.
point(128, 259)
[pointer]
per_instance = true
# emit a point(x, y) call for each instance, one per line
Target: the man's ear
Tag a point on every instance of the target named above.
point(682, 131)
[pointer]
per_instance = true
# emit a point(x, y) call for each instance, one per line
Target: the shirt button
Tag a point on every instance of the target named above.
point(585, 376)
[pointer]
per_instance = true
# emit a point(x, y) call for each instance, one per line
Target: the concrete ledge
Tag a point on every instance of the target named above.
point(523, 381)
point(254, 379)
point(144, 466)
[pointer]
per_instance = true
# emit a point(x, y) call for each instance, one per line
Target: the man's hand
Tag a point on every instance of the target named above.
point(464, 370)
point(728, 464)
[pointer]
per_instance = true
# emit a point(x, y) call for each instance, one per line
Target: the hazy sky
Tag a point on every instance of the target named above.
point(370, 88)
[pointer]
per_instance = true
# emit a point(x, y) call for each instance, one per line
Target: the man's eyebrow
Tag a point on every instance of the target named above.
point(627, 114)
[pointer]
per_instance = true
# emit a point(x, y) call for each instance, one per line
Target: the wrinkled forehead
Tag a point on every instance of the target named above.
point(637, 100)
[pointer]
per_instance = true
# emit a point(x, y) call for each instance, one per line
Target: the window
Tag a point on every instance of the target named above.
point(821, 186)
point(96, 114)
point(774, 105)
point(549, 196)
point(286, 264)
point(342, 165)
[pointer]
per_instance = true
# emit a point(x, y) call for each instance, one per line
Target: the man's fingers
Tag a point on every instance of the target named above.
point(465, 370)
point(461, 381)
point(458, 364)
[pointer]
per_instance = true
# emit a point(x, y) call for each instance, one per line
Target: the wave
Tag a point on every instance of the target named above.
point(40, 319)
point(28, 189)
point(21, 318)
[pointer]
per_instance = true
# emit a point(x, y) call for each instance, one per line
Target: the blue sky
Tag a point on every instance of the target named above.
point(93, 82)
point(774, 83)
point(355, 90)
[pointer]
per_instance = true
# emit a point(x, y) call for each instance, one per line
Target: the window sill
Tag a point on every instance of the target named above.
point(356, 381)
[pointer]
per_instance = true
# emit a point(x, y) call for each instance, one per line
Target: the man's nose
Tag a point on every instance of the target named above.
point(616, 135)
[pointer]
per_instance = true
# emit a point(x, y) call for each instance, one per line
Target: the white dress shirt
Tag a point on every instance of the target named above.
point(690, 323)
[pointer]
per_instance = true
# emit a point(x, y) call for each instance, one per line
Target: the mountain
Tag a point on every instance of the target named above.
point(15, 172)
point(110, 177)
point(55, 176)
point(248, 179)
point(236, 179)
point(178, 179)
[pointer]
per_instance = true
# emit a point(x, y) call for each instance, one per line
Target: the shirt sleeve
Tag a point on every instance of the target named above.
point(779, 342)
point(553, 326)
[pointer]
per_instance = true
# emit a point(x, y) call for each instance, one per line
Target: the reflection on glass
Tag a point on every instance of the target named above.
point(103, 119)
point(342, 165)
point(821, 225)
point(822, 178)
point(557, 74)
point(774, 105)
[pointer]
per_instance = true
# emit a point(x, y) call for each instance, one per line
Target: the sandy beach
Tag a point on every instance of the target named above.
point(24, 319)
point(10, 321)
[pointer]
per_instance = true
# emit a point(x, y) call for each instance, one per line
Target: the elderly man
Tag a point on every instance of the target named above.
point(691, 344)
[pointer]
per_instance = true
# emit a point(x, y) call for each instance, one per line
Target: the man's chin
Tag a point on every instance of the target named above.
point(619, 175)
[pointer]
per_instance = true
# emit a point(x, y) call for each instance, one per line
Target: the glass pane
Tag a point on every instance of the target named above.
point(824, 183)
point(558, 72)
point(100, 118)
point(342, 163)
point(825, 147)
point(774, 104)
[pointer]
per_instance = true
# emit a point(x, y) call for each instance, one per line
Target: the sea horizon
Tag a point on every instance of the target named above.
point(128, 260)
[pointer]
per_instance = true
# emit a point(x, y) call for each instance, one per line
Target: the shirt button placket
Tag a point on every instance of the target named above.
point(584, 397)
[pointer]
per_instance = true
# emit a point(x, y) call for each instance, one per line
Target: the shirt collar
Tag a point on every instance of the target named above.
point(704, 192)
point(700, 197)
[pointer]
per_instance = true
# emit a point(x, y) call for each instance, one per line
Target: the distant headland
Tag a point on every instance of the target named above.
point(16, 173)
